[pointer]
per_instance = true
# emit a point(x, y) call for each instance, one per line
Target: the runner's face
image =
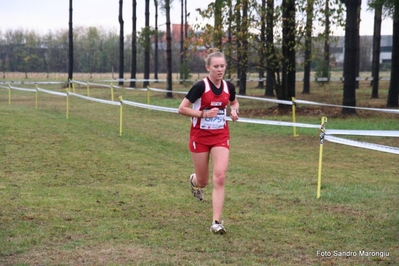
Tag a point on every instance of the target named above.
point(216, 68)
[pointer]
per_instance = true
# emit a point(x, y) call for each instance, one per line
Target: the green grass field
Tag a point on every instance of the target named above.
point(74, 192)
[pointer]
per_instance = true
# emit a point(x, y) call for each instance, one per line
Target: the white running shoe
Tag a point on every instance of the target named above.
point(218, 228)
point(197, 192)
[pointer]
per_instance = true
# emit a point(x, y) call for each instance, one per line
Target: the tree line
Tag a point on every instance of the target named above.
point(264, 36)
point(279, 31)
point(96, 50)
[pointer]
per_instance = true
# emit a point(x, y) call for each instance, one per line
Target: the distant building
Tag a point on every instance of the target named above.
point(337, 48)
point(386, 49)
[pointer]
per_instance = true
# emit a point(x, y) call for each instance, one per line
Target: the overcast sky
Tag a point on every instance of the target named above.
point(45, 15)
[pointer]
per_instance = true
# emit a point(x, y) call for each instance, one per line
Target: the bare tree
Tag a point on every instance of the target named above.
point(272, 65)
point(308, 46)
point(288, 48)
point(182, 42)
point(327, 39)
point(244, 48)
point(230, 40)
point(375, 73)
point(156, 42)
point(70, 46)
point(147, 45)
point(351, 52)
point(262, 56)
point(393, 91)
point(133, 69)
point(121, 43)
point(237, 16)
point(168, 50)
point(218, 25)
point(185, 37)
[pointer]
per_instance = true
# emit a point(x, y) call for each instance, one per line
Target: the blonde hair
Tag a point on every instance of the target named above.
point(213, 52)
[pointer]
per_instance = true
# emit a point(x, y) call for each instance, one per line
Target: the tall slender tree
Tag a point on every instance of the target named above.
point(262, 53)
point(308, 46)
point(182, 26)
point(186, 73)
point(70, 43)
point(375, 73)
point(244, 48)
point(229, 51)
point(272, 62)
point(121, 43)
point(133, 69)
point(218, 24)
point(156, 42)
point(358, 46)
point(393, 91)
point(147, 45)
point(351, 52)
point(326, 61)
point(288, 49)
point(237, 16)
point(169, 94)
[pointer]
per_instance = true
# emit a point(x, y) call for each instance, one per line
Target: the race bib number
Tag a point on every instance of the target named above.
point(212, 123)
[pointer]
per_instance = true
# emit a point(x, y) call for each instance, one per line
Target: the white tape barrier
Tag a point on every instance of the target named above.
point(4, 87)
point(162, 90)
point(360, 144)
point(327, 137)
point(265, 99)
point(274, 123)
point(31, 82)
point(136, 80)
point(79, 82)
point(64, 94)
point(99, 85)
point(22, 89)
point(94, 99)
point(375, 133)
point(242, 119)
point(94, 84)
point(152, 107)
point(395, 111)
point(238, 96)
point(105, 85)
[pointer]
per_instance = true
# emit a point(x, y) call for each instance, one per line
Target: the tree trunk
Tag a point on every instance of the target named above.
point(358, 46)
point(272, 65)
point(156, 42)
point(186, 73)
point(327, 40)
point(244, 50)
point(133, 69)
point(375, 73)
point(288, 48)
point(121, 44)
point(308, 47)
point(351, 52)
point(70, 44)
point(147, 45)
point(168, 50)
point(237, 10)
point(262, 59)
point(182, 66)
point(218, 24)
point(230, 41)
point(393, 91)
